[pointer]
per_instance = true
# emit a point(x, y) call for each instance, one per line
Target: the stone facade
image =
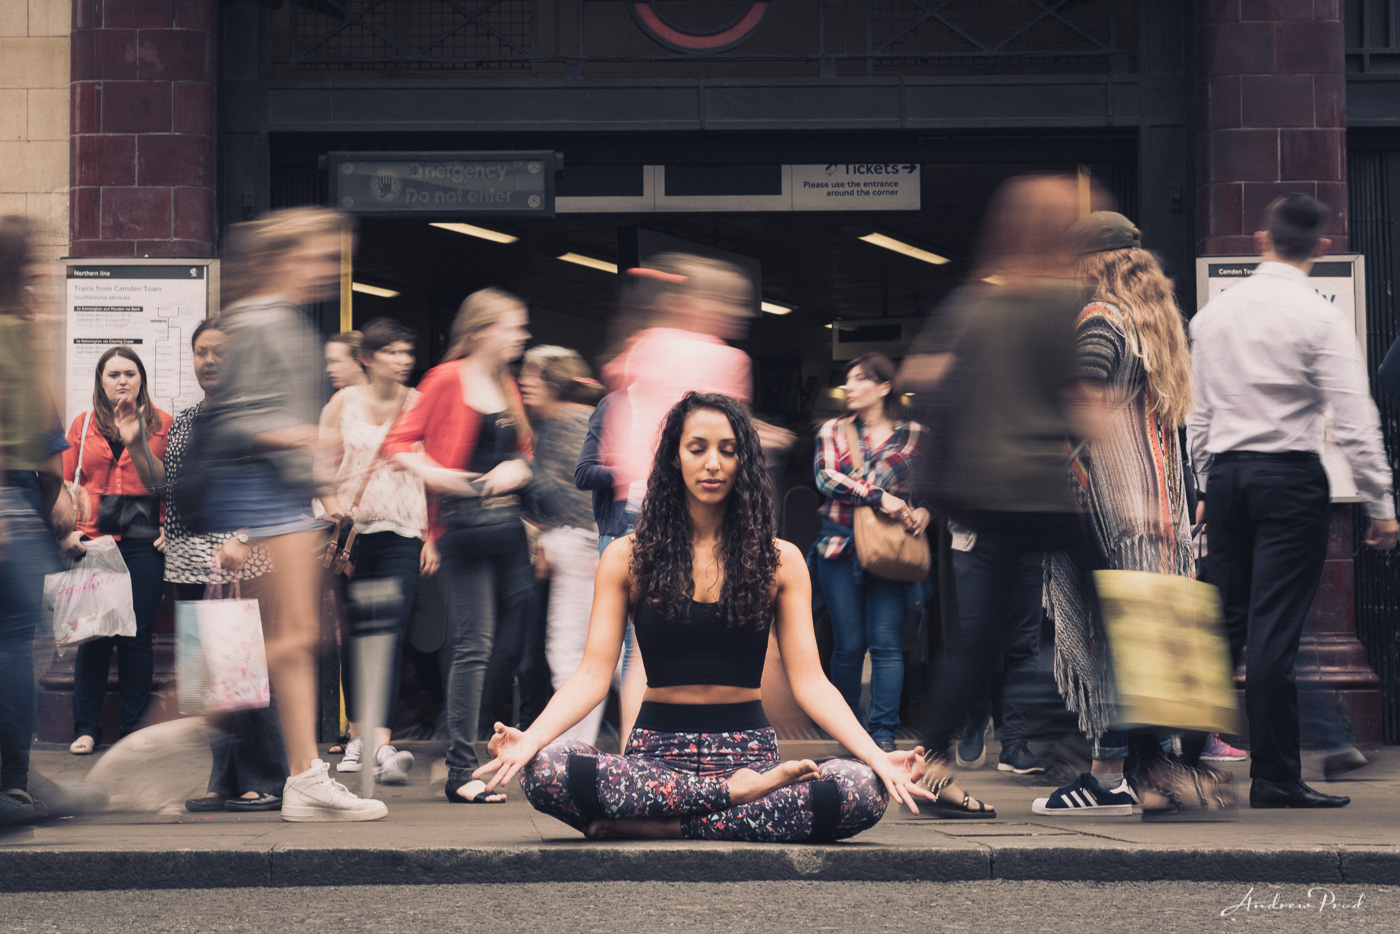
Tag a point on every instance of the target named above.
point(34, 117)
point(1271, 110)
point(143, 128)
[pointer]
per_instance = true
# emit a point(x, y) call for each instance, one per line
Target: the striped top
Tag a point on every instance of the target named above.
point(1130, 483)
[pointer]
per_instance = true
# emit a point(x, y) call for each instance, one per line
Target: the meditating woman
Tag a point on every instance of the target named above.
point(704, 579)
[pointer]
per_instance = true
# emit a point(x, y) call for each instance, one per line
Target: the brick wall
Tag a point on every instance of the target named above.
point(1271, 105)
point(34, 117)
point(143, 128)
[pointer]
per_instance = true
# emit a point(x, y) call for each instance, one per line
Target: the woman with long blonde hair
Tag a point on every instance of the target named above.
point(468, 440)
point(261, 436)
point(1129, 481)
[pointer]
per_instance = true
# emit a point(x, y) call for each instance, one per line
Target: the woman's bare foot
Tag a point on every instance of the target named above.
point(641, 828)
point(747, 785)
point(475, 793)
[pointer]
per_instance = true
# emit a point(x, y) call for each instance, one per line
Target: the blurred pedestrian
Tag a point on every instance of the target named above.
point(867, 612)
point(262, 435)
point(469, 441)
point(1001, 355)
point(27, 451)
point(1130, 342)
point(390, 514)
point(249, 766)
point(689, 307)
point(1022, 707)
point(559, 393)
point(344, 363)
point(1269, 357)
point(113, 464)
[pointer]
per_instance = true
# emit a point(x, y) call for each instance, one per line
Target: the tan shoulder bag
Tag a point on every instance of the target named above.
point(883, 546)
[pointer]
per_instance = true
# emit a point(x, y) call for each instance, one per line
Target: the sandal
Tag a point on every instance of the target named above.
point(1192, 794)
point(476, 793)
point(83, 746)
point(949, 809)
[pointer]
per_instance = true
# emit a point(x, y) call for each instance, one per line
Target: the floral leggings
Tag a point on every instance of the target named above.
point(665, 775)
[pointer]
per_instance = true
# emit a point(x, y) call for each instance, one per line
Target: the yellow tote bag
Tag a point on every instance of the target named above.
point(1170, 658)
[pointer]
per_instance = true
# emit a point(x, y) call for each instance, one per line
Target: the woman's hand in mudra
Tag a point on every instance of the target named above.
point(900, 771)
point(510, 751)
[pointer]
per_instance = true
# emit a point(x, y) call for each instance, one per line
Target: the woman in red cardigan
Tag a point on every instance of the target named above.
point(115, 450)
point(467, 438)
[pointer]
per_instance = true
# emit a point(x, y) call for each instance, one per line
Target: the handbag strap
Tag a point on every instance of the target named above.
point(374, 462)
point(214, 590)
point(853, 442)
point(82, 446)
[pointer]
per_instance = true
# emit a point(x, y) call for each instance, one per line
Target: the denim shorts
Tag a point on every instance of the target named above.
point(253, 496)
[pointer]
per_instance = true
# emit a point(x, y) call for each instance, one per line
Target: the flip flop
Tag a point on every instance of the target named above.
point(475, 793)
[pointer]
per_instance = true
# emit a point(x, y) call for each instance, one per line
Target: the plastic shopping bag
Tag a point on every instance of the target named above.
point(93, 598)
point(1170, 659)
point(219, 655)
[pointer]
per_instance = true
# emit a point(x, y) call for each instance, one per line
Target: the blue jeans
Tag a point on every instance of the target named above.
point(28, 555)
point(136, 660)
point(483, 595)
point(867, 613)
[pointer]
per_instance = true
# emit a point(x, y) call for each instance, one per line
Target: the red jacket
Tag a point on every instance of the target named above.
point(443, 426)
point(101, 474)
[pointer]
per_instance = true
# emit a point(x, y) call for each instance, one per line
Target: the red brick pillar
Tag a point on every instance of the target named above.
point(1271, 96)
point(142, 171)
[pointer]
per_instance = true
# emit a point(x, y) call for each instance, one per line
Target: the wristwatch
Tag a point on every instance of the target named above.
point(242, 538)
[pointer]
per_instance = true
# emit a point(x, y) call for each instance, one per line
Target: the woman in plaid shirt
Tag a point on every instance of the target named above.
point(867, 612)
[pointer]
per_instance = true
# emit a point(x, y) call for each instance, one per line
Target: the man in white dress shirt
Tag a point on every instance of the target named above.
point(1268, 356)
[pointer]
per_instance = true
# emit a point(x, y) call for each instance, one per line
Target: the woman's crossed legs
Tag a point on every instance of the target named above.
point(703, 786)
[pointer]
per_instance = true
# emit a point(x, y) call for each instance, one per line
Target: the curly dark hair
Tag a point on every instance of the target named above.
point(662, 558)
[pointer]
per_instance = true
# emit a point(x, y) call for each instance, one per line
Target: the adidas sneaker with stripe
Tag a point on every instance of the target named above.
point(1084, 797)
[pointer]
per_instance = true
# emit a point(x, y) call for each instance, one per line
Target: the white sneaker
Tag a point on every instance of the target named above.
point(315, 796)
point(393, 765)
point(354, 750)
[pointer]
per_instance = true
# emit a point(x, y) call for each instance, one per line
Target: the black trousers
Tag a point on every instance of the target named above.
point(1023, 714)
point(965, 668)
point(1266, 528)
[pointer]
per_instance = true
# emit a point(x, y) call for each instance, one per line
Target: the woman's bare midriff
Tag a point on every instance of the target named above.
point(701, 694)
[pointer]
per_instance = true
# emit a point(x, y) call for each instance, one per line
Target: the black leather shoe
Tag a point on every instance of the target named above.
point(210, 803)
point(1294, 794)
point(263, 802)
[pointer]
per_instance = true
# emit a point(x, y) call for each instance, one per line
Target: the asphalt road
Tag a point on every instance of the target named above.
point(722, 908)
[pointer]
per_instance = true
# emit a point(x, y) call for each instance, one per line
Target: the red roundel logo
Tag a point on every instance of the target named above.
point(684, 37)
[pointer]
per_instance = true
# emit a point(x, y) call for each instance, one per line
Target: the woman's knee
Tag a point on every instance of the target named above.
point(861, 797)
point(548, 771)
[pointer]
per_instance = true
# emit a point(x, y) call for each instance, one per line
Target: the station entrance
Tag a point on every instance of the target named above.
point(829, 289)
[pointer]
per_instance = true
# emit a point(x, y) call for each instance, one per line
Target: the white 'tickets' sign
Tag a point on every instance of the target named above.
point(862, 186)
point(153, 306)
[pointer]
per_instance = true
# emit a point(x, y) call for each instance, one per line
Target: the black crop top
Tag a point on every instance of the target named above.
point(700, 651)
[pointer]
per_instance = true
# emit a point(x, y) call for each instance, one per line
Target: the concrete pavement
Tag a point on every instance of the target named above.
point(152, 843)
